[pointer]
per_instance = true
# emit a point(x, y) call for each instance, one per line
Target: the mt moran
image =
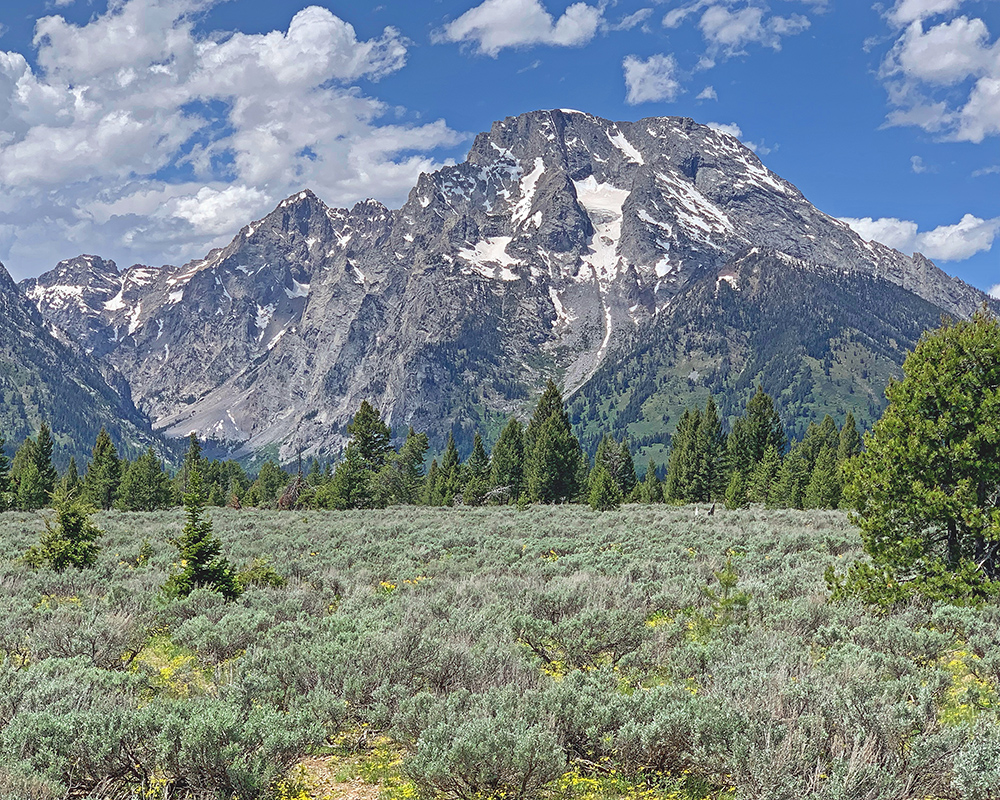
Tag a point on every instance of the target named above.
point(641, 265)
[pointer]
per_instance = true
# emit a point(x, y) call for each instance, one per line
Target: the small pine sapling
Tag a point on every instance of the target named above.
point(200, 560)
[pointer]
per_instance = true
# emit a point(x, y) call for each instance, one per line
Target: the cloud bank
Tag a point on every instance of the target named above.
point(136, 137)
point(964, 239)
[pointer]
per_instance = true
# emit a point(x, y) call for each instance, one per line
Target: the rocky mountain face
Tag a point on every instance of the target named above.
point(819, 340)
point(562, 243)
point(45, 376)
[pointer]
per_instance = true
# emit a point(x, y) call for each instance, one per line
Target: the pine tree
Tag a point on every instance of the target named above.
point(617, 460)
point(71, 480)
point(200, 552)
point(626, 478)
point(104, 472)
point(267, 488)
point(793, 478)
point(849, 443)
point(554, 462)
point(28, 494)
point(351, 483)
point(476, 474)
point(478, 464)
point(507, 464)
point(824, 488)
point(759, 428)
point(549, 404)
point(450, 478)
point(370, 437)
point(192, 460)
point(605, 494)
point(761, 485)
point(71, 539)
point(707, 457)
point(401, 479)
point(144, 485)
point(651, 491)
point(553, 469)
point(43, 455)
point(681, 462)
point(736, 491)
point(432, 488)
point(6, 500)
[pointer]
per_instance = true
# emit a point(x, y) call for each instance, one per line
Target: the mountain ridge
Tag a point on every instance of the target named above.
point(557, 242)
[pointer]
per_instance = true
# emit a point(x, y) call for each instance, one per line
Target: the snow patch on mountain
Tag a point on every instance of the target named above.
point(603, 203)
point(490, 259)
point(523, 207)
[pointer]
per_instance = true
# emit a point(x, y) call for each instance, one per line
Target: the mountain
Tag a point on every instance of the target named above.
point(44, 376)
point(818, 340)
point(561, 247)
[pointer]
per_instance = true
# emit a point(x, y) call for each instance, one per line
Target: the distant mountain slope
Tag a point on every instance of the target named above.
point(559, 240)
point(819, 341)
point(43, 376)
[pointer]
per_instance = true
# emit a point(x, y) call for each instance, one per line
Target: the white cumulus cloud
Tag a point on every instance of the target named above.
point(730, 31)
point(652, 80)
point(728, 26)
point(956, 242)
point(140, 138)
point(730, 128)
point(943, 76)
point(496, 24)
point(906, 11)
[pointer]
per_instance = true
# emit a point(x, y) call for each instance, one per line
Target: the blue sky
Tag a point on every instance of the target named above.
point(151, 130)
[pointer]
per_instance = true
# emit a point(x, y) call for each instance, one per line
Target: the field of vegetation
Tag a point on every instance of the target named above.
point(489, 652)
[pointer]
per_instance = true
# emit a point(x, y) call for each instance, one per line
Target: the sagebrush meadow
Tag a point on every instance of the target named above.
point(552, 651)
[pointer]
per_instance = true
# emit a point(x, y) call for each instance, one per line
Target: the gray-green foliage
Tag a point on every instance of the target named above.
point(497, 645)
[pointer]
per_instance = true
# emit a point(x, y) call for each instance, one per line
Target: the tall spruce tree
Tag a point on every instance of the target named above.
point(605, 494)
point(351, 486)
point(507, 462)
point(6, 500)
point(431, 495)
point(476, 474)
point(43, 454)
point(144, 485)
point(549, 403)
point(651, 490)
point(761, 485)
point(554, 460)
point(554, 466)
point(28, 489)
point(104, 472)
point(616, 459)
point(708, 478)
point(825, 486)
point(849, 443)
point(371, 437)
point(450, 477)
point(759, 428)
point(401, 479)
point(682, 461)
point(793, 478)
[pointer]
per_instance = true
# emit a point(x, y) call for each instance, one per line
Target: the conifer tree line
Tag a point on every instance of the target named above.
point(541, 462)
